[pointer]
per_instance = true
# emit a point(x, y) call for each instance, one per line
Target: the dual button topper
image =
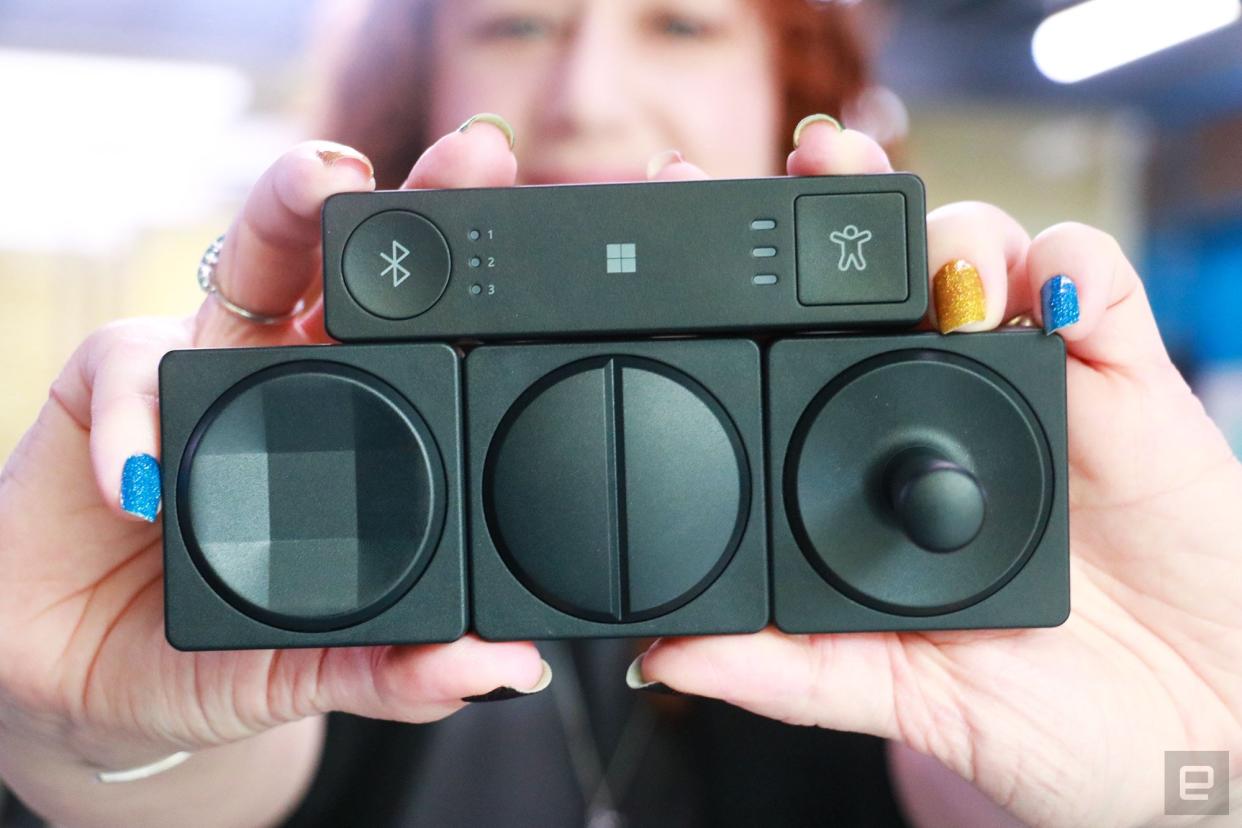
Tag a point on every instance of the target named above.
point(747, 255)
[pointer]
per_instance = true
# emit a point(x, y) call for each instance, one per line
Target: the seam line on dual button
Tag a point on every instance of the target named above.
point(617, 540)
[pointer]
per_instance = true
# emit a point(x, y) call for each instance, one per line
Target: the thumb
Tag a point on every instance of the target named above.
point(422, 683)
point(842, 682)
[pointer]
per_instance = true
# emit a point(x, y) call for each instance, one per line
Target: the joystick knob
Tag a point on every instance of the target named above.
point(939, 504)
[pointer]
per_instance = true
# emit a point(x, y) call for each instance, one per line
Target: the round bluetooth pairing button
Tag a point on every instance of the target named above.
point(396, 264)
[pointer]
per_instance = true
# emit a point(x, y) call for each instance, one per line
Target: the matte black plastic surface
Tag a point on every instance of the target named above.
point(318, 496)
point(616, 489)
point(939, 504)
point(312, 496)
point(798, 253)
point(850, 251)
point(841, 409)
point(410, 257)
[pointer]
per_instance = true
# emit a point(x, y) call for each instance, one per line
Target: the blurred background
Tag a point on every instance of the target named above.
point(134, 128)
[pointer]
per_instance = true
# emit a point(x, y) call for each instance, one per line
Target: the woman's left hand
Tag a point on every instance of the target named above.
point(1064, 725)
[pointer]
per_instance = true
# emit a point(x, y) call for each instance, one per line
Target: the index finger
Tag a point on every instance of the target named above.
point(271, 257)
point(823, 147)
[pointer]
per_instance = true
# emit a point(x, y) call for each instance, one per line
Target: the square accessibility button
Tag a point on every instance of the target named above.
point(852, 249)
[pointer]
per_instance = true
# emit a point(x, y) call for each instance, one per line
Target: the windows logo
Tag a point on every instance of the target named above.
point(622, 258)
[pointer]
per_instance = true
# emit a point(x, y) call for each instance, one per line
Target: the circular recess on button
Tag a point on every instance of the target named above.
point(396, 264)
point(311, 496)
point(838, 480)
point(616, 489)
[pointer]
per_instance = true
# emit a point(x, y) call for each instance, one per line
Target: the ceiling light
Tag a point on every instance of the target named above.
point(1092, 37)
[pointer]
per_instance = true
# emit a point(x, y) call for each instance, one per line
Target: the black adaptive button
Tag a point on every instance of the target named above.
point(396, 264)
point(909, 419)
point(313, 496)
point(616, 489)
point(851, 248)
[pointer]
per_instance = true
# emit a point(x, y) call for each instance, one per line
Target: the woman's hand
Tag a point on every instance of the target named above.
point(85, 671)
point(1061, 726)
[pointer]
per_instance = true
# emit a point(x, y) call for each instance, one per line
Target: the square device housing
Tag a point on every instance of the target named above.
point(616, 489)
point(845, 417)
point(312, 496)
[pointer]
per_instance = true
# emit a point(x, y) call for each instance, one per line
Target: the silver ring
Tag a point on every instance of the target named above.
point(1022, 320)
point(207, 281)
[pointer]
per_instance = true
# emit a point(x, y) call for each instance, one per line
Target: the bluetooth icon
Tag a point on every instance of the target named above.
point(399, 273)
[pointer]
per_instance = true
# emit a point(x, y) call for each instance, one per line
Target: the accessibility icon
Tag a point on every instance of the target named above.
point(399, 273)
point(851, 240)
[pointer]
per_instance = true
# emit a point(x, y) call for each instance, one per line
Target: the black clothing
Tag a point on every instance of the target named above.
point(507, 764)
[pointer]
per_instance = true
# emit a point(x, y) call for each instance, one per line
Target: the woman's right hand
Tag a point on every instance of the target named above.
point(85, 671)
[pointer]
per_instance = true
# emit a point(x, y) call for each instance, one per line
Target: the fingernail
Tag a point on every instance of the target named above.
point(1059, 299)
point(635, 681)
point(506, 693)
point(812, 119)
point(493, 119)
point(959, 295)
point(343, 157)
point(661, 160)
point(140, 487)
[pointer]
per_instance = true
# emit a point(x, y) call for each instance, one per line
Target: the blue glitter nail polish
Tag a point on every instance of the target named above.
point(140, 487)
point(1059, 298)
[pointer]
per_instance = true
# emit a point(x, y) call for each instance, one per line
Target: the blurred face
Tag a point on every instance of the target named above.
point(594, 88)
